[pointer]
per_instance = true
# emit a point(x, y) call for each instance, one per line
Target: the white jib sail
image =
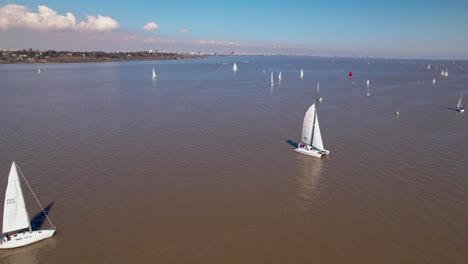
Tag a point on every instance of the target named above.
point(317, 135)
point(15, 216)
point(234, 67)
point(459, 105)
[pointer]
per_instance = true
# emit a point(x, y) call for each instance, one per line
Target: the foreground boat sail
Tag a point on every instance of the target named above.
point(17, 229)
point(153, 76)
point(311, 142)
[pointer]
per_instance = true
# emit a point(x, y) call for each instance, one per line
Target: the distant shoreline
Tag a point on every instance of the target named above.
point(51, 56)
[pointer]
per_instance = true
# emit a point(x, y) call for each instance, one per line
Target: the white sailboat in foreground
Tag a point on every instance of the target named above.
point(368, 84)
point(153, 75)
point(234, 67)
point(271, 80)
point(311, 143)
point(319, 98)
point(459, 105)
point(17, 229)
point(302, 74)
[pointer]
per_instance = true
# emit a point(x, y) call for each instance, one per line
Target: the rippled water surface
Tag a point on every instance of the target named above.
point(198, 166)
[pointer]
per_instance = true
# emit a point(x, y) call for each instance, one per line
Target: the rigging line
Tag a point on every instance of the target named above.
point(37, 200)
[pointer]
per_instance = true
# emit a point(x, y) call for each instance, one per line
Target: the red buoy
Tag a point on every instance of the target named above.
point(350, 74)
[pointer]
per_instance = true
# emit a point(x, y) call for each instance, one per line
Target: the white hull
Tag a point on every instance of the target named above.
point(319, 98)
point(310, 151)
point(25, 238)
point(368, 94)
point(461, 110)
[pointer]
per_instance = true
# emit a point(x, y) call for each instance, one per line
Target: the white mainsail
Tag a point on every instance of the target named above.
point(433, 81)
point(446, 73)
point(15, 216)
point(279, 76)
point(234, 67)
point(442, 73)
point(318, 89)
point(459, 105)
point(38, 70)
point(311, 134)
point(302, 73)
point(271, 80)
point(429, 66)
point(154, 75)
point(308, 125)
point(368, 84)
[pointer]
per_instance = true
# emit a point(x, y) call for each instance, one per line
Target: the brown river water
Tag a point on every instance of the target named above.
point(198, 166)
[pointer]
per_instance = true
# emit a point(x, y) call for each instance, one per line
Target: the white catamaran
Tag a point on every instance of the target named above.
point(234, 67)
point(153, 76)
point(459, 105)
point(271, 80)
point(311, 142)
point(17, 229)
point(318, 98)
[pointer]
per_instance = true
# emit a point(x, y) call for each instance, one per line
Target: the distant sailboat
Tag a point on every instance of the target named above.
point(234, 67)
point(302, 74)
point(442, 73)
point(368, 84)
point(397, 112)
point(446, 73)
point(319, 98)
point(271, 80)
point(17, 229)
point(311, 142)
point(459, 105)
point(279, 76)
point(433, 81)
point(38, 70)
point(153, 75)
point(429, 66)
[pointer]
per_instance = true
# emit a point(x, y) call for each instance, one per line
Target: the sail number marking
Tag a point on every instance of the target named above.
point(10, 201)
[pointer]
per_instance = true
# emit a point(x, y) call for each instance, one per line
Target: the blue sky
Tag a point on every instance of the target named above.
point(414, 28)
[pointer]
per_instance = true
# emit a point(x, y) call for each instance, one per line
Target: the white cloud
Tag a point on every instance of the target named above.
point(150, 26)
point(46, 19)
point(183, 30)
point(99, 23)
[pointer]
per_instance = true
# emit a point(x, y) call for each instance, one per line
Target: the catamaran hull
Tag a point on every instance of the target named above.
point(313, 153)
point(25, 238)
point(461, 110)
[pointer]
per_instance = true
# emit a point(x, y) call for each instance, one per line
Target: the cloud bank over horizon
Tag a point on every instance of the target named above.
point(14, 16)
